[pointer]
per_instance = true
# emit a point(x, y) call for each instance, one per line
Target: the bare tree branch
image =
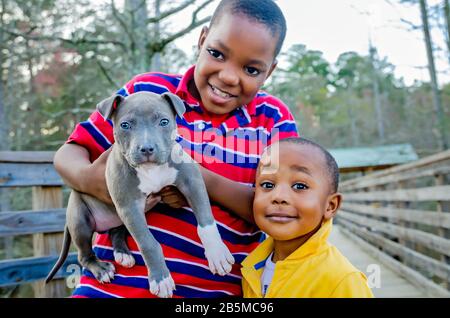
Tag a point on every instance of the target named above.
point(105, 72)
point(74, 42)
point(194, 24)
point(121, 21)
point(412, 26)
point(184, 31)
point(170, 12)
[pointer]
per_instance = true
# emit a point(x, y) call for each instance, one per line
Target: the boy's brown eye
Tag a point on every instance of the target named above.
point(267, 185)
point(300, 186)
point(252, 71)
point(216, 54)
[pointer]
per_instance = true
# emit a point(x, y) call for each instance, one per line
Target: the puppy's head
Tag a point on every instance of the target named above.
point(144, 125)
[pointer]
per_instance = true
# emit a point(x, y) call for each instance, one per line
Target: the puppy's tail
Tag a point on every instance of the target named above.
point(62, 257)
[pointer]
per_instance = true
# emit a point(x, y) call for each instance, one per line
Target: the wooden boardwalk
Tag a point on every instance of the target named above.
point(391, 284)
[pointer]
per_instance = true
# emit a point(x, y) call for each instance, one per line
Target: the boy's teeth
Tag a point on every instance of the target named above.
point(220, 93)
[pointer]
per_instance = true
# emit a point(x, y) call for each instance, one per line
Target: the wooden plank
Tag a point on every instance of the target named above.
point(28, 174)
point(417, 216)
point(409, 274)
point(27, 156)
point(31, 269)
point(437, 193)
point(433, 159)
point(424, 262)
point(391, 285)
point(416, 174)
point(431, 241)
point(48, 244)
point(32, 222)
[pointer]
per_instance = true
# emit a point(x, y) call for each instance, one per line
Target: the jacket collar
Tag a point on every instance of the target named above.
point(316, 243)
point(252, 266)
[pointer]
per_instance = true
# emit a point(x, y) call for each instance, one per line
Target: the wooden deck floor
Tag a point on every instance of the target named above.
point(391, 284)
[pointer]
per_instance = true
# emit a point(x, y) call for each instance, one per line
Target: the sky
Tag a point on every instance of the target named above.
point(338, 26)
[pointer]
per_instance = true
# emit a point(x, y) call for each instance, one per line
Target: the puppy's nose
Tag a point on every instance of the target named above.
point(146, 149)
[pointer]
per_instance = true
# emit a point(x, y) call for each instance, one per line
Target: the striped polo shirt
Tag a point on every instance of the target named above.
point(229, 145)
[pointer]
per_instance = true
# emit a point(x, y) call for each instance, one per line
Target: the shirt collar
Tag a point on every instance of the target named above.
point(183, 92)
point(239, 117)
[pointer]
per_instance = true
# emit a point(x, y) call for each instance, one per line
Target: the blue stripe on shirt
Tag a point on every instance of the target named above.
point(189, 217)
point(149, 87)
point(101, 140)
point(213, 152)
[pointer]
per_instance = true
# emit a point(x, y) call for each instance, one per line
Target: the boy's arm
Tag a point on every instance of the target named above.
point(232, 195)
point(72, 163)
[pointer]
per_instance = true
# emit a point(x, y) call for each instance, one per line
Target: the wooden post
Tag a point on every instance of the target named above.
point(403, 224)
point(48, 244)
point(442, 232)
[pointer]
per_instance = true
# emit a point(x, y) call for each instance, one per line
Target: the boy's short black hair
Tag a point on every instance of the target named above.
point(265, 12)
point(332, 167)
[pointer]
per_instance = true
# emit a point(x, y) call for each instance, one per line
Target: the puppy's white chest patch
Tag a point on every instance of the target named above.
point(154, 177)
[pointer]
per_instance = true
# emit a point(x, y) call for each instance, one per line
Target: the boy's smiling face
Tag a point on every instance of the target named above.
point(293, 193)
point(236, 57)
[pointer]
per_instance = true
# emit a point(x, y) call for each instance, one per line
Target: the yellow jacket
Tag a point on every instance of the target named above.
point(315, 270)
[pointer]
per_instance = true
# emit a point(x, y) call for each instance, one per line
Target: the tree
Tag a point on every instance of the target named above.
point(59, 58)
point(446, 13)
point(437, 103)
point(439, 118)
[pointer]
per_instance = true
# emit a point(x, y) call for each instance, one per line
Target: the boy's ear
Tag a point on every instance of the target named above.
point(334, 202)
point(176, 103)
point(272, 68)
point(108, 106)
point(202, 37)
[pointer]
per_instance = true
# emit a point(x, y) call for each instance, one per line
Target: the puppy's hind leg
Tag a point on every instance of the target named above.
point(122, 254)
point(81, 226)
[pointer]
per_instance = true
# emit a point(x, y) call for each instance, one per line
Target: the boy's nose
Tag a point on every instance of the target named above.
point(280, 195)
point(229, 77)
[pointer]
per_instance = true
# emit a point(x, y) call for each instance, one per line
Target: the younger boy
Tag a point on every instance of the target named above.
point(295, 200)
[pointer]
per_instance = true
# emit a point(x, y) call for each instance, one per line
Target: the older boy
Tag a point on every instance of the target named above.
point(295, 200)
point(227, 123)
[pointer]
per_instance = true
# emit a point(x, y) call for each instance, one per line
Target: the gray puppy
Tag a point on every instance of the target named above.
point(144, 158)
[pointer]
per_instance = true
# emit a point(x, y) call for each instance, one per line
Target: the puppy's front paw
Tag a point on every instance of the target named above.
point(220, 260)
point(163, 288)
point(124, 259)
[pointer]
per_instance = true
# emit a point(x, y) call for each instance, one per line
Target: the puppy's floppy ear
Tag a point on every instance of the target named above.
point(107, 106)
point(176, 103)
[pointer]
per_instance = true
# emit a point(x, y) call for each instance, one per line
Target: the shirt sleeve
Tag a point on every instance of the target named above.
point(95, 134)
point(354, 285)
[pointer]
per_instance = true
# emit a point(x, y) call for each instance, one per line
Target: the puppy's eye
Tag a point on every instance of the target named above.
point(267, 185)
point(164, 122)
point(300, 186)
point(125, 125)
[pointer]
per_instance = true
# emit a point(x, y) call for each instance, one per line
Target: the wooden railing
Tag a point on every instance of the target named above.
point(401, 216)
point(44, 222)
